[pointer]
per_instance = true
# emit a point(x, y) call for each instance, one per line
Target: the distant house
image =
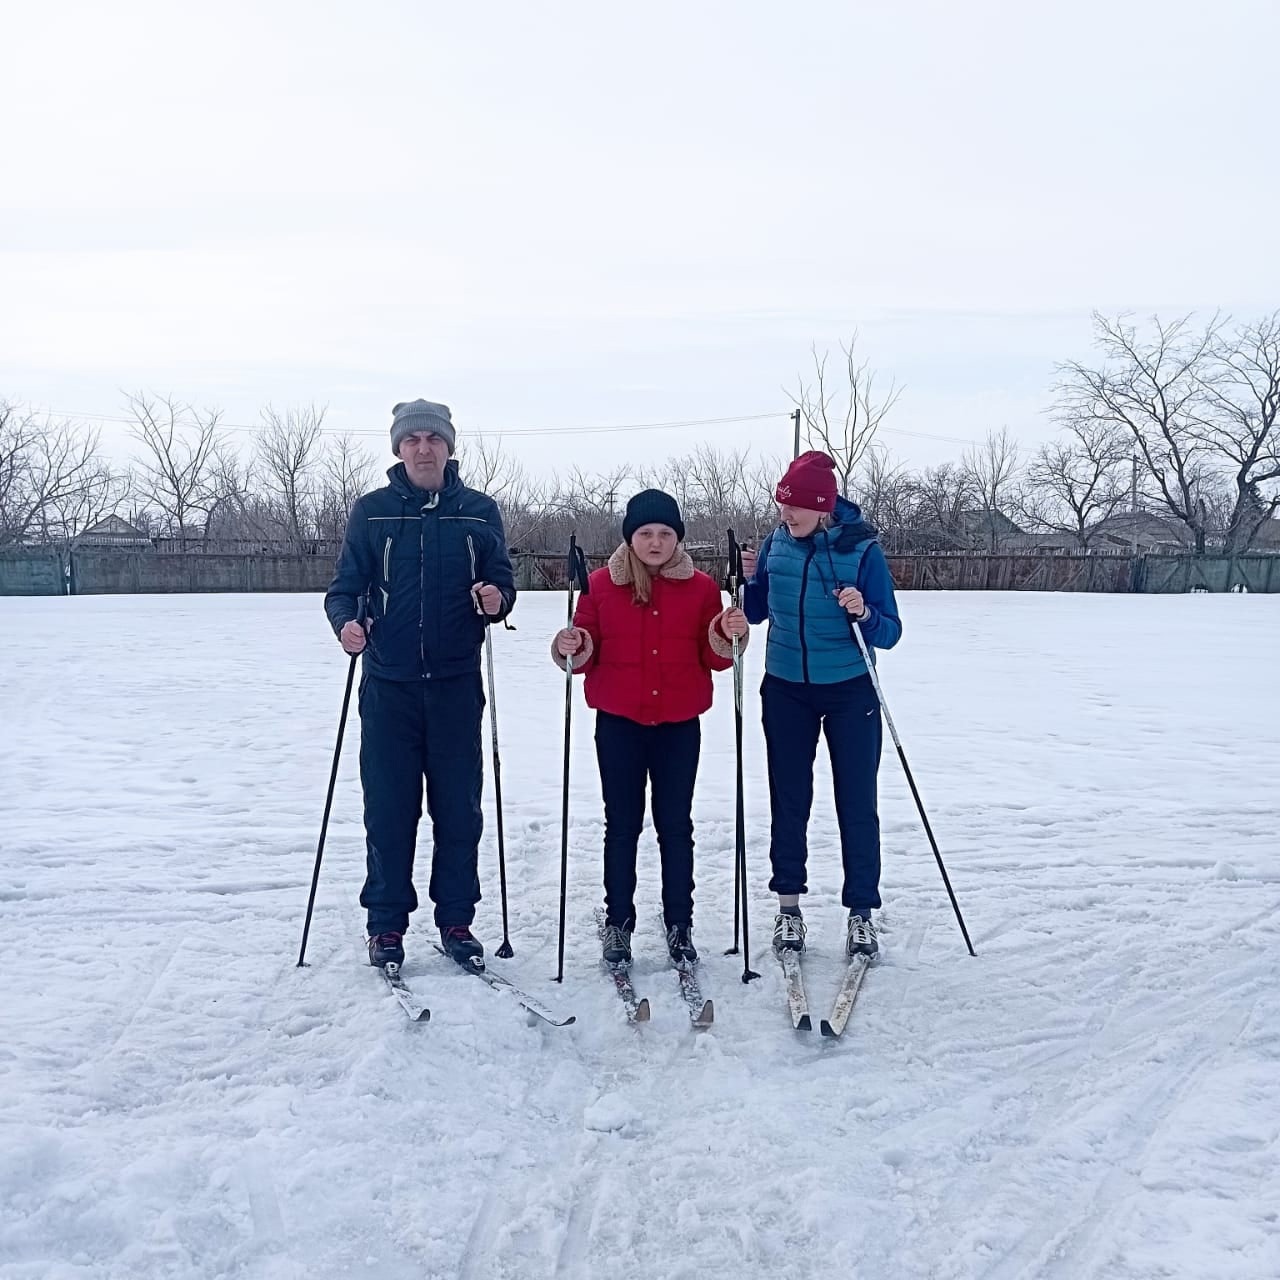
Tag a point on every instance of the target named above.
point(1041, 543)
point(985, 529)
point(112, 531)
point(1141, 529)
point(1268, 536)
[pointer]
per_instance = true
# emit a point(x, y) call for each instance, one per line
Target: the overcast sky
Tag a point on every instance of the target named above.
point(578, 214)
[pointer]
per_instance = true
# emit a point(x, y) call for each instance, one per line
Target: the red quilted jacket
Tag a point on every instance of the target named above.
point(651, 663)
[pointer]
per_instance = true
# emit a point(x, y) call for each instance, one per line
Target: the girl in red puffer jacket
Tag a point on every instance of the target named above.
point(648, 634)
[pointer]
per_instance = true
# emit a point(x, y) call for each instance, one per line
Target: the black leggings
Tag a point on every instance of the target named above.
point(666, 757)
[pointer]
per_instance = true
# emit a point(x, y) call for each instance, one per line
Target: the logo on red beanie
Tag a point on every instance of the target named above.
point(810, 483)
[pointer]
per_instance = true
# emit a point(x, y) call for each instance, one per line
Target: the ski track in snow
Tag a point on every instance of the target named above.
point(1095, 1097)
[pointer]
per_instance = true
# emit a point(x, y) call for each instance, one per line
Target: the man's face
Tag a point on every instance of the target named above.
point(424, 454)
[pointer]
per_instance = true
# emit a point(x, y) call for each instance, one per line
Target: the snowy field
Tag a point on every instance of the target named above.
point(1096, 1095)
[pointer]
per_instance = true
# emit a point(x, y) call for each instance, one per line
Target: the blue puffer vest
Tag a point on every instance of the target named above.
point(809, 639)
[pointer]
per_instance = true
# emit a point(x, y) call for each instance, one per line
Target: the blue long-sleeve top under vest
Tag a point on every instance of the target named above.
point(795, 586)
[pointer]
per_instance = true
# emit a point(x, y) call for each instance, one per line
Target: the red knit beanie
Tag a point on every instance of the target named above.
point(810, 483)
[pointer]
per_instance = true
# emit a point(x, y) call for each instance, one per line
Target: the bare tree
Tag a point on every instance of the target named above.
point(1154, 389)
point(991, 468)
point(238, 508)
point(843, 421)
point(944, 497)
point(1240, 422)
point(886, 492)
point(759, 509)
point(1076, 482)
point(52, 481)
point(345, 472)
point(174, 475)
point(289, 449)
point(488, 466)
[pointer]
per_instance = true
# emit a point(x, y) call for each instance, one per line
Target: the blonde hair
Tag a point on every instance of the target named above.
point(641, 578)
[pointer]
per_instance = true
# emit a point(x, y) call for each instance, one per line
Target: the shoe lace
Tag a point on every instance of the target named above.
point(460, 931)
point(615, 937)
point(860, 930)
point(788, 927)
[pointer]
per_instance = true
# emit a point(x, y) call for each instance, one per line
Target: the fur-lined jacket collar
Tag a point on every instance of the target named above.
point(679, 567)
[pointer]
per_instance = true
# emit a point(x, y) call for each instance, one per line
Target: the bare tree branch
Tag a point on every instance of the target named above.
point(53, 483)
point(1240, 422)
point(174, 475)
point(289, 449)
point(843, 421)
point(1153, 388)
point(1074, 483)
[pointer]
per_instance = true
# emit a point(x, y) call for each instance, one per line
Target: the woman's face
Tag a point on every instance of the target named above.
point(655, 544)
point(798, 520)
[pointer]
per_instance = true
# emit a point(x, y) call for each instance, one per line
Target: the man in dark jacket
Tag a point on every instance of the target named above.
point(430, 557)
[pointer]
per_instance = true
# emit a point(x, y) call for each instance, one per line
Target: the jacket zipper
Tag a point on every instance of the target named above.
point(804, 587)
point(422, 583)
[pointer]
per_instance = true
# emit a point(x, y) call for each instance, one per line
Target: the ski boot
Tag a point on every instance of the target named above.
point(385, 949)
point(680, 945)
point(616, 941)
point(462, 946)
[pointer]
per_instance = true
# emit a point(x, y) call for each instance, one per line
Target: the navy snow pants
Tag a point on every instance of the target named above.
point(664, 756)
point(408, 731)
point(848, 712)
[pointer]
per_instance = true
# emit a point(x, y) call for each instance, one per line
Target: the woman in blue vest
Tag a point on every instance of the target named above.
point(817, 574)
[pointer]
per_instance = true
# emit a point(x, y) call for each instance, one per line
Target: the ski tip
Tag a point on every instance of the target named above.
point(424, 1016)
point(829, 1031)
point(642, 1011)
point(803, 1023)
point(706, 1016)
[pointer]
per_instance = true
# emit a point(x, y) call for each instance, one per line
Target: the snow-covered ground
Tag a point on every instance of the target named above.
point(1096, 1095)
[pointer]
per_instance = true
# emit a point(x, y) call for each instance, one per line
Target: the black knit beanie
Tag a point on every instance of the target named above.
point(652, 506)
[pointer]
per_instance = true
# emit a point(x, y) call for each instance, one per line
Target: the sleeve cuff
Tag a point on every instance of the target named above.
point(721, 645)
point(581, 658)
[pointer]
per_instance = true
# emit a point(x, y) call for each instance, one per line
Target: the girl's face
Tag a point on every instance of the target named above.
point(798, 520)
point(655, 544)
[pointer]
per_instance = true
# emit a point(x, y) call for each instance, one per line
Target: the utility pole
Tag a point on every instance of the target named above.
point(796, 418)
point(1133, 507)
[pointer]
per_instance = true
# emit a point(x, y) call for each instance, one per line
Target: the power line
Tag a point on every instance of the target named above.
point(475, 431)
point(525, 432)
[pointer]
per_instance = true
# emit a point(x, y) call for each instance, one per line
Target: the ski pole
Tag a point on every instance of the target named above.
point(911, 782)
point(328, 800)
point(577, 573)
point(735, 585)
point(731, 586)
point(505, 951)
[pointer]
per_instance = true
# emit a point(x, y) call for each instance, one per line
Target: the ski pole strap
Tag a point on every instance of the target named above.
point(733, 575)
point(579, 570)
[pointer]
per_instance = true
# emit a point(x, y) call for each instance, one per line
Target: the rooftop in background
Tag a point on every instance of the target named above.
point(112, 531)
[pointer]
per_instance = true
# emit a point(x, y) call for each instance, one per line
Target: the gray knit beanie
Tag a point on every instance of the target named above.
point(420, 415)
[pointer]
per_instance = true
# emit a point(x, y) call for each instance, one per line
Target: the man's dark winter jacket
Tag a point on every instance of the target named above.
point(418, 555)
